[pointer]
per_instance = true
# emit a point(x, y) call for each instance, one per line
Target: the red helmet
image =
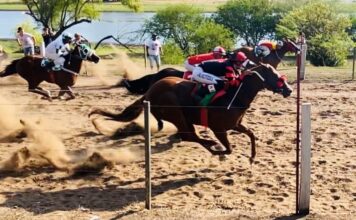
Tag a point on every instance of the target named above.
point(220, 50)
point(239, 56)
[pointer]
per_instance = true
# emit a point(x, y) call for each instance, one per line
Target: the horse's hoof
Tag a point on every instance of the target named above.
point(251, 160)
point(223, 157)
point(217, 148)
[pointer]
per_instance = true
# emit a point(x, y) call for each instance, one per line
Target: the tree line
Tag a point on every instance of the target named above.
point(187, 30)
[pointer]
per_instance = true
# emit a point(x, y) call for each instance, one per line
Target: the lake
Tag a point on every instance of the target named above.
point(123, 24)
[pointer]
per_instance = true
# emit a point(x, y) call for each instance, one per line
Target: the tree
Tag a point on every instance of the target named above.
point(252, 20)
point(176, 22)
point(324, 29)
point(187, 27)
point(209, 35)
point(63, 14)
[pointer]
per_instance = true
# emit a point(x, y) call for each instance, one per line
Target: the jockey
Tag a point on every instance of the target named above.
point(213, 72)
point(240, 62)
point(265, 47)
point(193, 61)
point(57, 49)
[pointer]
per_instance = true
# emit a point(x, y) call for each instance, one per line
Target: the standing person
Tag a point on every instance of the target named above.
point(57, 49)
point(27, 41)
point(47, 36)
point(154, 50)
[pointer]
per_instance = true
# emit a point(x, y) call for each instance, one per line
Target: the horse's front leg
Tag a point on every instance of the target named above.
point(221, 135)
point(242, 129)
point(70, 92)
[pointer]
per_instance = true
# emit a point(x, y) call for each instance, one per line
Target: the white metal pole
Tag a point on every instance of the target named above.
point(147, 109)
point(304, 198)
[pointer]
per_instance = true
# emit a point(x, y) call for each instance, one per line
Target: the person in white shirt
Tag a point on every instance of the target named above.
point(27, 41)
point(57, 49)
point(154, 49)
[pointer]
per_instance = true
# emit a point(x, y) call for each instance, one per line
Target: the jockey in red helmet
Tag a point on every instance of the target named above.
point(192, 61)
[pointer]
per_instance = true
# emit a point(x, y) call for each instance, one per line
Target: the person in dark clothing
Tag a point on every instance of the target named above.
point(47, 36)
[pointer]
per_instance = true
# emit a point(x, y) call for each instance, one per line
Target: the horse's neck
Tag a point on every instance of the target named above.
point(74, 64)
point(248, 91)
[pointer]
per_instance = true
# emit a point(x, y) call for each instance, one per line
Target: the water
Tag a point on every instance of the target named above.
point(126, 25)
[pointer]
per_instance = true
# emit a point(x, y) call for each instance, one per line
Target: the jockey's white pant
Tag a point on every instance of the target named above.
point(203, 77)
point(188, 66)
point(57, 59)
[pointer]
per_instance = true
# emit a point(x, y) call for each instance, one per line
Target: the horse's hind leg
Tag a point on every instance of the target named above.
point(186, 130)
point(241, 128)
point(222, 137)
point(38, 90)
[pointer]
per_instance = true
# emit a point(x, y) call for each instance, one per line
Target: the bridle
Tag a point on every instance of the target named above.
point(280, 82)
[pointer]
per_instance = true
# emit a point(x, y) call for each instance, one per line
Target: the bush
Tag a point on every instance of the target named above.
point(172, 54)
point(325, 31)
point(330, 52)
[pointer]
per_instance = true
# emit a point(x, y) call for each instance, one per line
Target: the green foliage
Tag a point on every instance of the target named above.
point(251, 20)
point(189, 29)
point(176, 22)
point(352, 30)
point(209, 35)
point(172, 54)
point(133, 4)
point(331, 52)
point(323, 28)
point(62, 14)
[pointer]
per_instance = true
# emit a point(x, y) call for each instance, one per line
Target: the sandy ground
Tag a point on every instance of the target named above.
point(188, 183)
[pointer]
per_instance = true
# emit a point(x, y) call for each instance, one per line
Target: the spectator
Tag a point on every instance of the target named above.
point(154, 50)
point(27, 41)
point(47, 36)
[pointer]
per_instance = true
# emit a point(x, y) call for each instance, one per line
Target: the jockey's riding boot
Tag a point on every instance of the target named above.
point(57, 68)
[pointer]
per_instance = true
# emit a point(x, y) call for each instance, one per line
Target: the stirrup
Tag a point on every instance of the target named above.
point(57, 68)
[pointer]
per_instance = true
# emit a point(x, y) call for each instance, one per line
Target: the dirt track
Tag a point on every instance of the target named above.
point(187, 181)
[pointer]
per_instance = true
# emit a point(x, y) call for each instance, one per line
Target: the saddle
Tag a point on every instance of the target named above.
point(47, 64)
point(205, 94)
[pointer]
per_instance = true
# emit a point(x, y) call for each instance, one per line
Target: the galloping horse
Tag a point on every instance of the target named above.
point(171, 100)
point(29, 68)
point(275, 57)
point(141, 85)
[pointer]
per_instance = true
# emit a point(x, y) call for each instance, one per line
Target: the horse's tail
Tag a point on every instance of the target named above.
point(128, 114)
point(10, 69)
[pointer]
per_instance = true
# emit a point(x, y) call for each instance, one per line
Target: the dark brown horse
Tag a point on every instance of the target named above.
point(171, 101)
point(275, 57)
point(141, 85)
point(29, 68)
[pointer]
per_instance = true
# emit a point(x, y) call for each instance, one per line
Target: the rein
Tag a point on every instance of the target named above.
point(238, 90)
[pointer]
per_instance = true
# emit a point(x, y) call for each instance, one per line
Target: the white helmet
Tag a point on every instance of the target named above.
point(67, 36)
point(280, 43)
point(220, 50)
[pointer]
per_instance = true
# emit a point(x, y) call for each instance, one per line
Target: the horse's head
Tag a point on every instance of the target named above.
point(86, 53)
point(289, 46)
point(272, 80)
